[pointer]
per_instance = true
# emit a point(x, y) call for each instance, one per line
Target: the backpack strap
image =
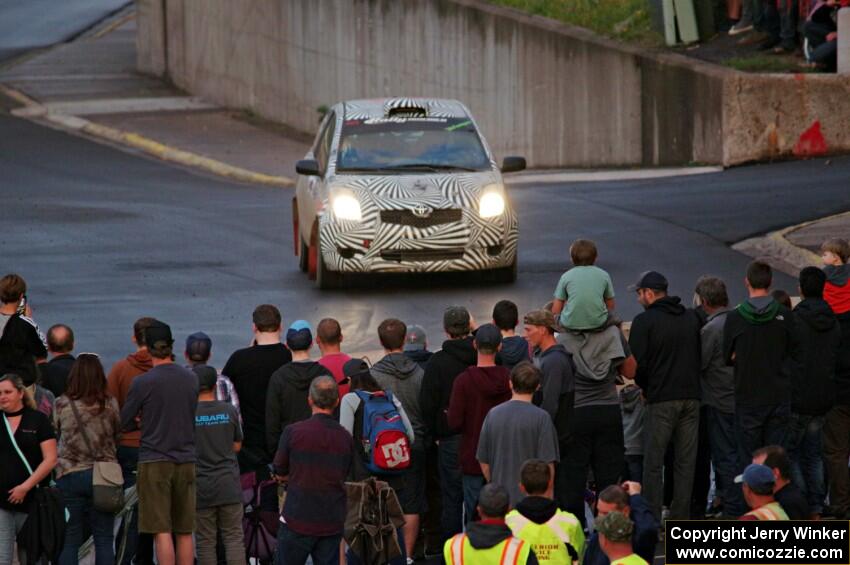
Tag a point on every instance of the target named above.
point(15, 444)
point(457, 549)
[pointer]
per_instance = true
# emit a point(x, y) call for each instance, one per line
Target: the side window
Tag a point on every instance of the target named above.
point(324, 146)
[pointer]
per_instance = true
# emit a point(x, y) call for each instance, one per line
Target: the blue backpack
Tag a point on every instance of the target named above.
point(383, 435)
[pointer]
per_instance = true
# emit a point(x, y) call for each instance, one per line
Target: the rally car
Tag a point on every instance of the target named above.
point(402, 185)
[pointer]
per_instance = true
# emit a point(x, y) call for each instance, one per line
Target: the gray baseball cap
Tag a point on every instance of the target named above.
point(416, 338)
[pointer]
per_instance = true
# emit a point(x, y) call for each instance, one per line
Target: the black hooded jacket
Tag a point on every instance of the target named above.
point(812, 364)
point(665, 341)
point(486, 534)
point(286, 399)
point(440, 373)
point(514, 351)
point(758, 340)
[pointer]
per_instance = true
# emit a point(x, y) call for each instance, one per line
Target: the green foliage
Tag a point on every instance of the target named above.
point(628, 20)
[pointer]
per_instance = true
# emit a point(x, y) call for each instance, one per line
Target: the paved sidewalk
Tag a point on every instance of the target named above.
point(811, 236)
point(91, 86)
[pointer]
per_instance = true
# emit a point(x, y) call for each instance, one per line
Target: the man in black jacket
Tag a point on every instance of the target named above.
point(54, 373)
point(812, 368)
point(289, 386)
point(757, 340)
point(665, 341)
point(443, 367)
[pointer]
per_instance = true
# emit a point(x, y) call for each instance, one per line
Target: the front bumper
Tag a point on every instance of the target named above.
point(466, 245)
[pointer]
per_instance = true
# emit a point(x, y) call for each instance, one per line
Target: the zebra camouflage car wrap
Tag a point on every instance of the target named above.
point(410, 222)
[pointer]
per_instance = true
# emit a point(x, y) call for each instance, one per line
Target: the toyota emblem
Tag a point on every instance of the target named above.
point(422, 211)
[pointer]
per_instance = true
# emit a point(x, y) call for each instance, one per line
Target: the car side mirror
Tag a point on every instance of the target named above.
point(309, 167)
point(513, 164)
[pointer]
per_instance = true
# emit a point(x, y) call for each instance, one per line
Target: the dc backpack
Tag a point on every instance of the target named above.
point(383, 435)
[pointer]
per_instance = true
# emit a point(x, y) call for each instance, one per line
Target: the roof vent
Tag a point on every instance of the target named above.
point(404, 108)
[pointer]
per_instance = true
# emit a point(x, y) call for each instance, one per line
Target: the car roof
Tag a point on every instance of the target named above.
point(381, 107)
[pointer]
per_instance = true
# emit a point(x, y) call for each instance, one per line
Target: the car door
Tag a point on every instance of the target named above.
point(310, 190)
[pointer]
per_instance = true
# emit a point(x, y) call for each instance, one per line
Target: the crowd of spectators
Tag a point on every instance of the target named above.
point(570, 443)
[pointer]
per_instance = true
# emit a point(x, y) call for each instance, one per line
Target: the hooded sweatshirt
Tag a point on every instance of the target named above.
point(812, 364)
point(665, 340)
point(540, 510)
point(455, 357)
point(597, 356)
point(514, 351)
point(118, 384)
point(403, 377)
point(757, 341)
point(286, 400)
point(475, 392)
point(420, 356)
point(21, 343)
point(487, 533)
point(836, 291)
point(557, 387)
point(633, 410)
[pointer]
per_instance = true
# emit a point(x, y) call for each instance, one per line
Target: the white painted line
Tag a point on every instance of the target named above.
point(128, 105)
point(539, 177)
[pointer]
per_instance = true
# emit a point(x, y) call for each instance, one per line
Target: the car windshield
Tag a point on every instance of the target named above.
point(410, 144)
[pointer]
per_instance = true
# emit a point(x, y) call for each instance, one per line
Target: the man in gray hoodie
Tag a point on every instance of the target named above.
point(403, 377)
point(596, 428)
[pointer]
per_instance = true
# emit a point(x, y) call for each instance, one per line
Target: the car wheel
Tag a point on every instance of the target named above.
point(506, 274)
point(303, 255)
point(325, 278)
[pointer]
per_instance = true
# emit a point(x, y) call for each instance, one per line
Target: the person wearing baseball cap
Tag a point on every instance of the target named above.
point(665, 341)
point(416, 345)
point(557, 389)
point(197, 353)
point(615, 538)
point(162, 403)
point(457, 355)
point(289, 386)
point(218, 436)
point(757, 482)
point(475, 392)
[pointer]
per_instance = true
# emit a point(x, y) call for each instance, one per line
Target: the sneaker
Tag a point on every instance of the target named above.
point(410, 561)
point(740, 27)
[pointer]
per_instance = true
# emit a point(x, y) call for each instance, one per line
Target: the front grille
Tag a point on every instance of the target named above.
point(408, 218)
point(421, 254)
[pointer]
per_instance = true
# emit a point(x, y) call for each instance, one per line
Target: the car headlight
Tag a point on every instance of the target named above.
point(346, 207)
point(492, 204)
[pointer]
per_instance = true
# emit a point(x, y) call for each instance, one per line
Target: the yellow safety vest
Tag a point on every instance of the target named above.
point(547, 540)
point(772, 511)
point(512, 551)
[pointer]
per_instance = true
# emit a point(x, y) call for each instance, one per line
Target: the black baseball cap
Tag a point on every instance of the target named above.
point(489, 336)
point(158, 332)
point(353, 367)
point(652, 280)
point(198, 346)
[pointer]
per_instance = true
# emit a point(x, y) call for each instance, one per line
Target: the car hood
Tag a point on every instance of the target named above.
point(440, 190)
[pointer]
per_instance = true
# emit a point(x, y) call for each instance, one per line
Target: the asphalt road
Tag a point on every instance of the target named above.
point(104, 237)
point(32, 24)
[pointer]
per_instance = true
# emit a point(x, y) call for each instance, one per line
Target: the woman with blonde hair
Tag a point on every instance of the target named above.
point(88, 423)
point(27, 442)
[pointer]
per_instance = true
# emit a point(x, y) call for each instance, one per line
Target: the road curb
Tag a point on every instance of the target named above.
point(34, 111)
point(776, 248)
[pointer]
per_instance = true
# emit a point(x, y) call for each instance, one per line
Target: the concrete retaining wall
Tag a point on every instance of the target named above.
point(554, 93)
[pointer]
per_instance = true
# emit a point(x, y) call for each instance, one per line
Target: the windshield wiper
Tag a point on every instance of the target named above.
point(427, 166)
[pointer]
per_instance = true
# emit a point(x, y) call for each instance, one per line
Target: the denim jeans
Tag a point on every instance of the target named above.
point(752, 12)
point(472, 485)
point(673, 422)
point(451, 486)
point(836, 450)
point(755, 427)
point(780, 21)
point(294, 549)
point(804, 444)
point(77, 490)
point(10, 524)
point(724, 458)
